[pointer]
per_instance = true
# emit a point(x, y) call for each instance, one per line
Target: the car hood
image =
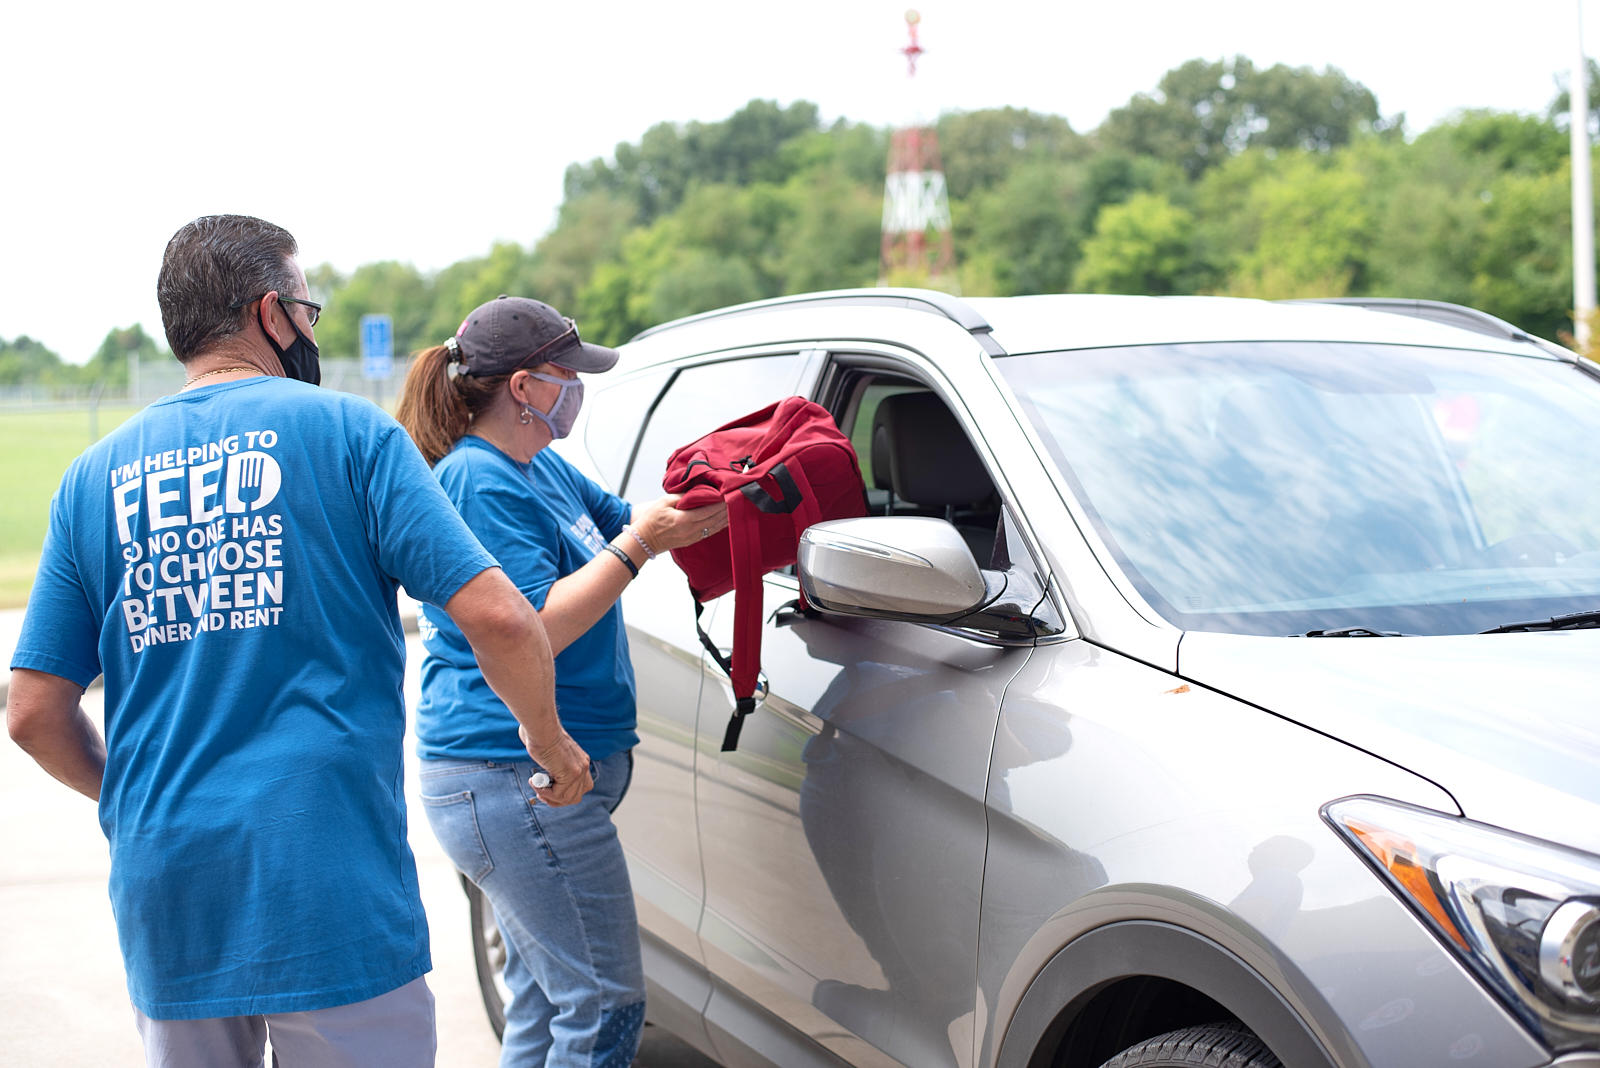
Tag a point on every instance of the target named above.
point(1509, 724)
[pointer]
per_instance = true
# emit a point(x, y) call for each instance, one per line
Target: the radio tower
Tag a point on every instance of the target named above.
point(917, 246)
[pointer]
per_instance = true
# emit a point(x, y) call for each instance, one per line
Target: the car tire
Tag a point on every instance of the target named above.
point(489, 955)
point(1218, 1045)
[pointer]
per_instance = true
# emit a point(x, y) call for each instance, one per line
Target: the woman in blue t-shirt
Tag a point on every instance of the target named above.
point(482, 408)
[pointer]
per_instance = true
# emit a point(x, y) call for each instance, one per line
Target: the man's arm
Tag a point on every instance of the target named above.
point(44, 717)
point(513, 653)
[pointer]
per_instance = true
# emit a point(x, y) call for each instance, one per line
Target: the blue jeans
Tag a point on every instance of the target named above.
point(561, 894)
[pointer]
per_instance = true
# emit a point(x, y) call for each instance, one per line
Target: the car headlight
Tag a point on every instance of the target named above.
point(1523, 914)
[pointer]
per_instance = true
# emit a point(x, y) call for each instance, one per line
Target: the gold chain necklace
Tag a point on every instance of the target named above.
point(218, 371)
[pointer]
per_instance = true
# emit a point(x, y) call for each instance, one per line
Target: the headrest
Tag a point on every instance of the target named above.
point(881, 477)
point(925, 453)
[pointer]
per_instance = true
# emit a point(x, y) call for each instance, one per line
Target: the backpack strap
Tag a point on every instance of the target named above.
point(805, 509)
point(723, 662)
point(743, 706)
point(744, 538)
point(792, 494)
point(808, 513)
point(744, 666)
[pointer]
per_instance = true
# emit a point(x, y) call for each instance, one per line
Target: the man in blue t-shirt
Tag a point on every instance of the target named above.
point(228, 559)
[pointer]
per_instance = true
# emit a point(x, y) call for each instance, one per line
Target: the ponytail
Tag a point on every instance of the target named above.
point(437, 407)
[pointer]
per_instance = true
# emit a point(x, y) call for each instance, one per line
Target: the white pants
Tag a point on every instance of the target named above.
point(393, 1030)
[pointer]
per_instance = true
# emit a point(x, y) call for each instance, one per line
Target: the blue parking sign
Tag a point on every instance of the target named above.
point(377, 346)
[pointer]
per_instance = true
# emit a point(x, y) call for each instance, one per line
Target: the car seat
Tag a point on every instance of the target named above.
point(923, 456)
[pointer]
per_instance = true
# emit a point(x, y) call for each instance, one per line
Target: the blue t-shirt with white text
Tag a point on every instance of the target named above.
point(229, 559)
point(542, 520)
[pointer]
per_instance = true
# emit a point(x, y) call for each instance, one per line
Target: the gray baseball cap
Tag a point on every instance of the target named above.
point(510, 333)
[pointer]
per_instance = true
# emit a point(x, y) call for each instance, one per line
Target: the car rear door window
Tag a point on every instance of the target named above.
point(700, 399)
point(615, 416)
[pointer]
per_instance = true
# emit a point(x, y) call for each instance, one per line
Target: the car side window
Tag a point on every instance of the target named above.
point(700, 399)
point(1025, 606)
point(615, 416)
point(917, 460)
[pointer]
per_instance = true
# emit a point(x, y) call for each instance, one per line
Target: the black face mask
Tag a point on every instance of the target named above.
point(301, 360)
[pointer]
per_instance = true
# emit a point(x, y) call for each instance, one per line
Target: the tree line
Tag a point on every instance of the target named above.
point(1227, 179)
point(26, 362)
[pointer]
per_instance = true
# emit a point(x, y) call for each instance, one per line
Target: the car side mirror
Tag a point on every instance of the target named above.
point(893, 567)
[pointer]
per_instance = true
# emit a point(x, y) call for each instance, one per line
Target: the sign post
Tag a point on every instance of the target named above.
point(377, 350)
point(1583, 294)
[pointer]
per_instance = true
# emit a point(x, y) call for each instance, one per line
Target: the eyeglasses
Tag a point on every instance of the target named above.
point(314, 313)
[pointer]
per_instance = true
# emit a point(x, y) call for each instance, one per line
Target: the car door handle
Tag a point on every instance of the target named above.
point(763, 687)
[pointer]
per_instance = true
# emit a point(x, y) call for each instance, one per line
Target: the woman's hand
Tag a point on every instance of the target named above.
point(664, 527)
point(567, 765)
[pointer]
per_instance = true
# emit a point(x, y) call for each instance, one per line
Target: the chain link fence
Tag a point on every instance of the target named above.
point(151, 380)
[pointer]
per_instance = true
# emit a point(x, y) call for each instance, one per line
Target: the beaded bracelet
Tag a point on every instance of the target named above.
point(632, 567)
point(649, 553)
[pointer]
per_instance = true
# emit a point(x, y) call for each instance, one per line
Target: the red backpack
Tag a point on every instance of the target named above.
point(779, 470)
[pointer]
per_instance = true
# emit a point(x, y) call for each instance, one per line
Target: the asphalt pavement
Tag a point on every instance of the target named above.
point(63, 993)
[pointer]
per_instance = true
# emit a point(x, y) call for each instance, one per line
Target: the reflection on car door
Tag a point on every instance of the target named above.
point(843, 843)
point(657, 825)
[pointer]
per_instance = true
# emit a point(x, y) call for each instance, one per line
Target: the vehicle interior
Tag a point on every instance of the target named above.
point(915, 458)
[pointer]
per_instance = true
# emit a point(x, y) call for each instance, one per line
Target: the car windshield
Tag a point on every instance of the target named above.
point(1279, 488)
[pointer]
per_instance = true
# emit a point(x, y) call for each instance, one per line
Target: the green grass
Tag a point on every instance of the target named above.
point(35, 449)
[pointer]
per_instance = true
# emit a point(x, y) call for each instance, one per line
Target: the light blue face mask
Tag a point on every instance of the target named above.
point(564, 412)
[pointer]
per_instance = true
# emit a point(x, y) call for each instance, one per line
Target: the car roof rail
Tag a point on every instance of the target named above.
point(1457, 315)
point(932, 301)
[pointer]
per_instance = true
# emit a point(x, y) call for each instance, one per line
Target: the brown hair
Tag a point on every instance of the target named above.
point(437, 408)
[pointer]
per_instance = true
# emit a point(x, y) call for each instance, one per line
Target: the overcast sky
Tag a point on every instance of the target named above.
point(424, 132)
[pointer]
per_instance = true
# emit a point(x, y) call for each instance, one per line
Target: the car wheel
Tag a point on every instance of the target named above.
point(1218, 1045)
point(489, 954)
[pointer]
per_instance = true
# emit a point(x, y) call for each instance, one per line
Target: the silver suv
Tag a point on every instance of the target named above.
point(1211, 682)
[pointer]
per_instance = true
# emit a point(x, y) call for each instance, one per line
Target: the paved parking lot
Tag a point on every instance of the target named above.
point(63, 998)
